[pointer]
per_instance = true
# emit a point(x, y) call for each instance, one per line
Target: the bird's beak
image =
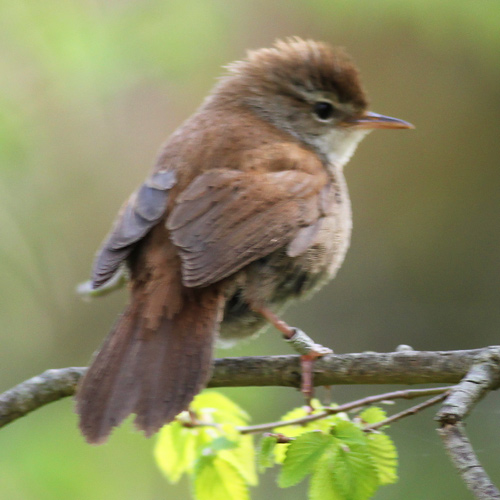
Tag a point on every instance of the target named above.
point(371, 120)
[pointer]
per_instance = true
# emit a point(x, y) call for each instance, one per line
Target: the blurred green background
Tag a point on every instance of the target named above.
point(89, 89)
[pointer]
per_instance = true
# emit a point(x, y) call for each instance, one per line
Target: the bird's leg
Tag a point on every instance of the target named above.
point(308, 349)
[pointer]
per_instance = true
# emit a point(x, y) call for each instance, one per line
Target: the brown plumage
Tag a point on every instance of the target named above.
point(246, 208)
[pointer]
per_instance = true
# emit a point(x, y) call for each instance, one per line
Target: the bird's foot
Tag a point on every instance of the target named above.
point(309, 350)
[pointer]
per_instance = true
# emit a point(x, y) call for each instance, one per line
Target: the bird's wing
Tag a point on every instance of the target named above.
point(138, 215)
point(226, 218)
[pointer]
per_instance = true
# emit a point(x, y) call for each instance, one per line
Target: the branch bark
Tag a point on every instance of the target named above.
point(404, 367)
point(465, 461)
point(401, 367)
point(483, 376)
point(38, 391)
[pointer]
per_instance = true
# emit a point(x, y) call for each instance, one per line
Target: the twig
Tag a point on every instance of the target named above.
point(280, 438)
point(406, 413)
point(353, 405)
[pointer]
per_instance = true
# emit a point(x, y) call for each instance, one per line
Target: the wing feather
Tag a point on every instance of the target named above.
point(226, 219)
point(140, 213)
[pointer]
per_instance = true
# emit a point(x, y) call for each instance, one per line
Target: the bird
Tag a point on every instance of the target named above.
point(245, 211)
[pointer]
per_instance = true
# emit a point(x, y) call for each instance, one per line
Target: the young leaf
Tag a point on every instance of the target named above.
point(344, 474)
point(265, 457)
point(215, 478)
point(349, 434)
point(174, 450)
point(297, 430)
point(217, 408)
point(218, 457)
point(385, 457)
point(302, 455)
point(355, 473)
point(204, 436)
point(302, 411)
point(322, 485)
point(242, 457)
point(221, 443)
point(373, 415)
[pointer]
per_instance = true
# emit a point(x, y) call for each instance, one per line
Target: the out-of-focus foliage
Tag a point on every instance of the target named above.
point(88, 91)
point(218, 459)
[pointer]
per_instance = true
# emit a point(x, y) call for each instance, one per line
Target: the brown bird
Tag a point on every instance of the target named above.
point(245, 210)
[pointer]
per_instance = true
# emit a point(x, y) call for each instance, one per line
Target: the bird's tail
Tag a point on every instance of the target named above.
point(152, 372)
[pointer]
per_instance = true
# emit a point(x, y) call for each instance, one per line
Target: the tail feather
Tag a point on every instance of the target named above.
point(152, 373)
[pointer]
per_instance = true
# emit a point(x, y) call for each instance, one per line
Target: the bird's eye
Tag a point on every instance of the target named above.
point(324, 110)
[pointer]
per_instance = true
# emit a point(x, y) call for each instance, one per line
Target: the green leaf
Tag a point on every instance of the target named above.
point(335, 418)
point(373, 415)
point(265, 457)
point(356, 473)
point(302, 411)
point(346, 471)
point(344, 474)
point(203, 438)
point(297, 430)
point(221, 443)
point(174, 450)
point(385, 457)
point(302, 455)
point(220, 450)
point(242, 457)
point(322, 485)
point(215, 478)
point(349, 434)
point(214, 407)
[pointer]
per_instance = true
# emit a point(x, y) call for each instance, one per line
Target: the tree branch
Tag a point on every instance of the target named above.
point(405, 367)
point(483, 376)
point(38, 391)
point(465, 460)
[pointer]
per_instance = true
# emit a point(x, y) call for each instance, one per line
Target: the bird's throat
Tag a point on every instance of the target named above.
point(339, 144)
